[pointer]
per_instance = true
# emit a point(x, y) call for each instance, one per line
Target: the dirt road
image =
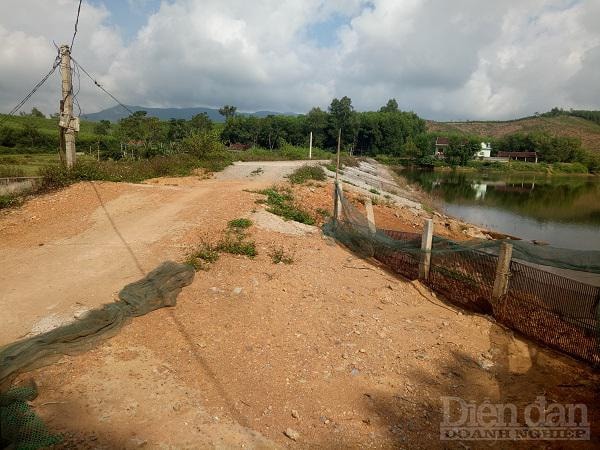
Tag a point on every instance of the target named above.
point(331, 346)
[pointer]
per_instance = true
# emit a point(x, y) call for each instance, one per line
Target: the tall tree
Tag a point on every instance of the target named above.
point(228, 111)
point(391, 106)
point(342, 116)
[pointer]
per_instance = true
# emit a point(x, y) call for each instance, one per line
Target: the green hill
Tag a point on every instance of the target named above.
point(563, 125)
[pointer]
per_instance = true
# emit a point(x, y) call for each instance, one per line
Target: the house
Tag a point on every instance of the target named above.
point(485, 151)
point(441, 144)
point(519, 156)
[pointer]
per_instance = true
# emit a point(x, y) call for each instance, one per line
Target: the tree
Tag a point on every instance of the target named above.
point(391, 106)
point(227, 111)
point(102, 128)
point(37, 113)
point(31, 132)
point(201, 122)
point(342, 116)
point(178, 129)
point(316, 121)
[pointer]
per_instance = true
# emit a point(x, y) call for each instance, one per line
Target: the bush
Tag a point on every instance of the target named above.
point(306, 172)
point(202, 144)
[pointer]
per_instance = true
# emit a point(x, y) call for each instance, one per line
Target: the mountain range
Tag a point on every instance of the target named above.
point(118, 112)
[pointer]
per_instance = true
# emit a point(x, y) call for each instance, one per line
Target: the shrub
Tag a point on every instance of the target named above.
point(306, 172)
point(202, 144)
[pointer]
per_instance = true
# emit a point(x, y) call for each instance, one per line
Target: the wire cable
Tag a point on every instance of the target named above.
point(76, 23)
point(99, 85)
point(33, 91)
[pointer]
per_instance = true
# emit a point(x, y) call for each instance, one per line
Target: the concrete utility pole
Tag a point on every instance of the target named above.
point(310, 147)
point(67, 124)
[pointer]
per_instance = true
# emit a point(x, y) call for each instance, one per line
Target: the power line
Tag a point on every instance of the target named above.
point(33, 91)
point(76, 23)
point(99, 85)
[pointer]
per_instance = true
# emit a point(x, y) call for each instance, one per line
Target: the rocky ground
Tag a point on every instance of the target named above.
point(329, 351)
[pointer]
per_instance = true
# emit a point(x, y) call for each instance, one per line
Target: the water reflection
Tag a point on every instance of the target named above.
point(564, 211)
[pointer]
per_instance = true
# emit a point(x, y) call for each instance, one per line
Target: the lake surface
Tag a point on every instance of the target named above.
point(563, 211)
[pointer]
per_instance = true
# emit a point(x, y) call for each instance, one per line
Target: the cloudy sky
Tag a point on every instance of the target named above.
point(453, 60)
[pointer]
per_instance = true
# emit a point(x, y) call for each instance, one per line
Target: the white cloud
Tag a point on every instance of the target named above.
point(459, 59)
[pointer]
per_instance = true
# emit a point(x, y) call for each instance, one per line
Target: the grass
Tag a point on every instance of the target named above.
point(87, 169)
point(323, 213)
point(280, 256)
point(235, 243)
point(374, 191)
point(305, 173)
point(256, 172)
point(203, 256)
point(240, 223)
point(280, 201)
point(10, 200)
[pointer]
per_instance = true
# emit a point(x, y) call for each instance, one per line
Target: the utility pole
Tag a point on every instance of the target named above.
point(310, 147)
point(67, 124)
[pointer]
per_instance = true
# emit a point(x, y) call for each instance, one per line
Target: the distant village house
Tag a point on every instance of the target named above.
point(485, 151)
point(519, 156)
point(441, 144)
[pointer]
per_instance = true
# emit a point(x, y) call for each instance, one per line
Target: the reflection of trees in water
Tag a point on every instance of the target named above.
point(575, 200)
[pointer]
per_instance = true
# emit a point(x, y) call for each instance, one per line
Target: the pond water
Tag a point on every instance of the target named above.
point(563, 211)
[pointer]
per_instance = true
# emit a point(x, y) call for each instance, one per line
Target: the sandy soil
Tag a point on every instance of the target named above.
point(331, 346)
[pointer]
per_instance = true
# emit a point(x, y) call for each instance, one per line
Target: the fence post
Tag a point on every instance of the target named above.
point(426, 241)
point(370, 216)
point(502, 272)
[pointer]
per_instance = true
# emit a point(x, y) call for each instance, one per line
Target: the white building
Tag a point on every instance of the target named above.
point(485, 151)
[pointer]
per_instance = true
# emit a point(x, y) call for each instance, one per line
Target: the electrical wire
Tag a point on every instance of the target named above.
point(76, 23)
point(33, 91)
point(99, 85)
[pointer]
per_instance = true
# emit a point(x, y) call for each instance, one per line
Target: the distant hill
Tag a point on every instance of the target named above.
point(118, 112)
point(563, 125)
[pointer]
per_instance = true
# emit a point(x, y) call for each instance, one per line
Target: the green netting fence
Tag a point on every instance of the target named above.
point(542, 300)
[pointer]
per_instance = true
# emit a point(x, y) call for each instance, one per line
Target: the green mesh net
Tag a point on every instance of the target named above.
point(20, 428)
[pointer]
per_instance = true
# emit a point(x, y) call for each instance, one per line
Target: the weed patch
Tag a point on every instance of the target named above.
point(240, 223)
point(280, 256)
point(281, 202)
point(306, 172)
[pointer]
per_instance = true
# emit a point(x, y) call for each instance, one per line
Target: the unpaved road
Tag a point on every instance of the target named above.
point(70, 251)
point(332, 346)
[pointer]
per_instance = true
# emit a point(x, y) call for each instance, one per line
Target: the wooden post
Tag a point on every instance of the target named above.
point(502, 272)
point(66, 121)
point(426, 240)
point(337, 167)
point(370, 215)
point(335, 203)
point(310, 147)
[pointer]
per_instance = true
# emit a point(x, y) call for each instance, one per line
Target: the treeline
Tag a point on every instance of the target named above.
point(387, 131)
point(592, 116)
